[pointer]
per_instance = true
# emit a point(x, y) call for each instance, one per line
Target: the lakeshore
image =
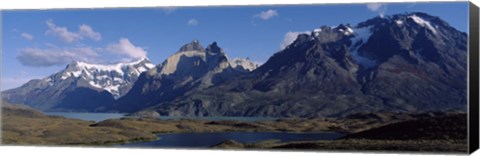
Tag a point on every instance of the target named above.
point(25, 126)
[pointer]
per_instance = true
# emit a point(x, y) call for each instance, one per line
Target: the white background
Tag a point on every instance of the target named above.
point(78, 151)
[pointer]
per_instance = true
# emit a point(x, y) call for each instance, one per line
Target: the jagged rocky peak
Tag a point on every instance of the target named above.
point(345, 29)
point(325, 34)
point(192, 58)
point(421, 19)
point(216, 57)
point(214, 49)
point(405, 32)
point(194, 45)
point(414, 18)
point(416, 37)
point(432, 23)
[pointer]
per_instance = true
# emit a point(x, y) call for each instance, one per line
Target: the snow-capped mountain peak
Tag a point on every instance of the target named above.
point(76, 68)
point(114, 78)
point(81, 86)
point(243, 64)
point(358, 37)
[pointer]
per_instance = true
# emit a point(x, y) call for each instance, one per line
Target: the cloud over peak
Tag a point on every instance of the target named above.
point(38, 57)
point(125, 48)
point(374, 6)
point(379, 8)
point(290, 37)
point(52, 55)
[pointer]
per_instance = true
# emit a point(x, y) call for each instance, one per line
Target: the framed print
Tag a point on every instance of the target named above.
point(389, 77)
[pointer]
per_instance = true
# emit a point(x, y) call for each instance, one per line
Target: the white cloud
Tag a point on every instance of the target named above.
point(67, 36)
point(266, 15)
point(192, 22)
point(52, 55)
point(125, 48)
point(87, 31)
point(290, 37)
point(61, 32)
point(38, 57)
point(27, 36)
point(169, 10)
point(377, 7)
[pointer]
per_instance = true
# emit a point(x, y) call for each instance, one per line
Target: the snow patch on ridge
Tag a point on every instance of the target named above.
point(361, 36)
point(423, 23)
point(114, 89)
point(399, 22)
point(317, 31)
point(348, 31)
point(149, 65)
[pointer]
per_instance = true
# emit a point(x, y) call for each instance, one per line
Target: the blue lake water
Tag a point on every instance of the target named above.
point(205, 140)
point(87, 116)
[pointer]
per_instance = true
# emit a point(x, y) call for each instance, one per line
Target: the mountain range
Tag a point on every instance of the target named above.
point(79, 87)
point(409, 62)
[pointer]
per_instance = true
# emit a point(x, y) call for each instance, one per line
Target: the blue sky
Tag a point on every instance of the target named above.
point(37, 43)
